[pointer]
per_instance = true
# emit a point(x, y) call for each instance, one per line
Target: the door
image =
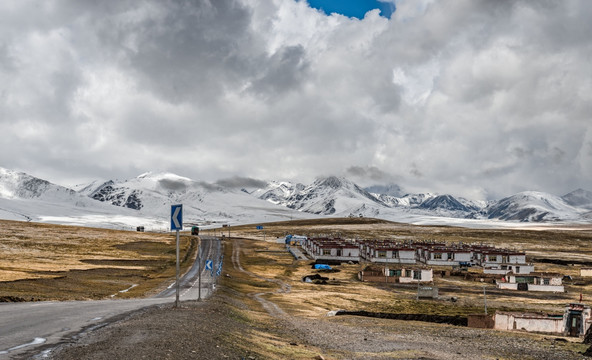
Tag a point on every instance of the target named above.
point(574, 323)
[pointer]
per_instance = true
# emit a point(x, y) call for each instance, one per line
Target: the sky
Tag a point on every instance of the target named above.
point(481, 99)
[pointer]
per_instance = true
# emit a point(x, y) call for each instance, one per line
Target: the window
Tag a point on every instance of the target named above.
point(395, 254)
point(492, 257)
point(438, 256)
point(546, 281)
point(382, 254)
point(417, 274)
point(408, 273)
point(338, 252)
point(326, 251)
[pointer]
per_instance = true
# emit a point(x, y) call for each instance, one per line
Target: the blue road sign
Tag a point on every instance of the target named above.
point(176, 217)
point(259, 227)
point(209, 264)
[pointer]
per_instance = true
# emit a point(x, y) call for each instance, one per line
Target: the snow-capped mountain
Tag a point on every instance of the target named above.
point(152, 194)
point(533, 206)
point(390, 189)
point(407, 200)
point(146, 200)
point(445, 202)
point(579, 198)
point(341, 197)
point(277, 192)
point(326, 196)
point(18, 185)
point(25, 197)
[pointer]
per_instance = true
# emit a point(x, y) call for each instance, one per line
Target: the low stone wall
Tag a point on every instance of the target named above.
point(383, 279)
point(440, 319)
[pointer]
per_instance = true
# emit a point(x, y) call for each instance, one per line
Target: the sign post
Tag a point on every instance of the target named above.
point(260, 227)
point(177, 224)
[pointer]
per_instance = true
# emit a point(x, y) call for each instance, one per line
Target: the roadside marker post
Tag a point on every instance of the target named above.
point(260, 227)
point(177, 224)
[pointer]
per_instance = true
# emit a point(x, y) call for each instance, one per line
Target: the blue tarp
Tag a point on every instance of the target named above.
point(322, 267)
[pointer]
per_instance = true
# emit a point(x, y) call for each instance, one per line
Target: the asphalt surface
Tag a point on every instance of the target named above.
point(25, 327)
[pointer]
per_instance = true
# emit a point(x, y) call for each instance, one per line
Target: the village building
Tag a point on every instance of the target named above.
point(496, 257)
point(446, 256)
point(532, 322)
point(332, 250)
point(501, 262)
point(575, 321)
point(387, 252)
point(504, 269)
point(586, 272)
point(402, 275)
point(532, 282)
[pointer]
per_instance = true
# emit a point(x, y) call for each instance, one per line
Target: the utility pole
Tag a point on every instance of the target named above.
point(199, 276)
point(177, 224)
point(177, 273)
point(485, 299)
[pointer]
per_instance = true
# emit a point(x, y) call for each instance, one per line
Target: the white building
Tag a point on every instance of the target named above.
point(390, 253)
point(532, 282)
point(446, 256)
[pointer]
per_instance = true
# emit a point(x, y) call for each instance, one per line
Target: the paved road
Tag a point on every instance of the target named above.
point(25, 327)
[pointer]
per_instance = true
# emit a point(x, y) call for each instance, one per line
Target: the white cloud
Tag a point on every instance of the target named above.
point(470, 97)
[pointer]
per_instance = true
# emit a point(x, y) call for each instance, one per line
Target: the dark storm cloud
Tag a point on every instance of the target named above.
point(187, 50)
point(286, 68)
point(368, 172)
point(241, 182)
point(173, 185)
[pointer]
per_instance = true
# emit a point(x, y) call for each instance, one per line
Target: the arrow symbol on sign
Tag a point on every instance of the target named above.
point(175, 217)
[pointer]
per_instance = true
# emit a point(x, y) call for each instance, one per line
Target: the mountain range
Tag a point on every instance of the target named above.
point(147, 198)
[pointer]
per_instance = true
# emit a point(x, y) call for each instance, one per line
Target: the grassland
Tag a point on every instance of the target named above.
point(42, 262)
point(52, 262)
point(263, 310)
point(572, 247)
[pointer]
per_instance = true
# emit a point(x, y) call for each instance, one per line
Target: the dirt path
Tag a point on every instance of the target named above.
point(272, 308)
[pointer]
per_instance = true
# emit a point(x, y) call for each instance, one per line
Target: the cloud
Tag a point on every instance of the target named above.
point(241, 182)
point(368, 173)
point(488, 96)
point(173, 185)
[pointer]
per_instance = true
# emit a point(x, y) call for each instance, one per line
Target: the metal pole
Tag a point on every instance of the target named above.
point(178, 271)
point(199, 277)
point(485, 299)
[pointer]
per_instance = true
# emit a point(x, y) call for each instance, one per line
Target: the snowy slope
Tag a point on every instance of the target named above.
point(152, 195)
point(146, 200)
point(332, 196)
point(533, 206)
point(579, 198)
point(277, 192)
point(25, 197)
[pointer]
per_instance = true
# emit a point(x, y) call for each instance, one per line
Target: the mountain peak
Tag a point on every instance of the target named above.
point(333, 182)
point(579, 197)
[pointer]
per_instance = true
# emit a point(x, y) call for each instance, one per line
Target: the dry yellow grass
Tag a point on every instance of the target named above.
point(43, 261)
point(344, 291)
